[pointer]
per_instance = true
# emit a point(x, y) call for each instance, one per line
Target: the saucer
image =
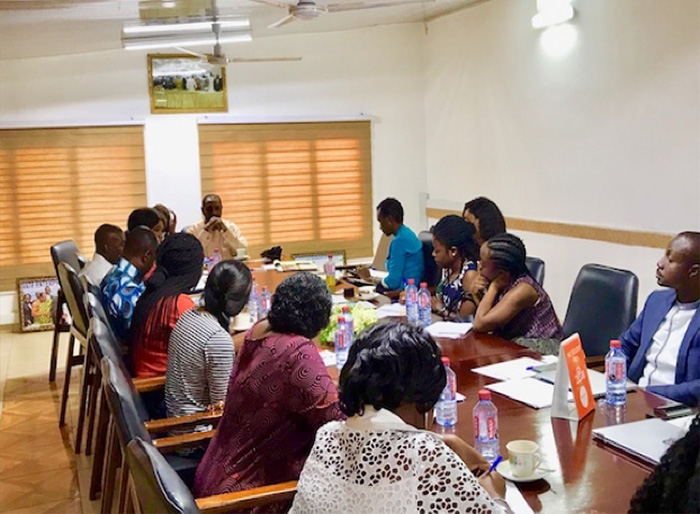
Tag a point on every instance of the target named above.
point(504, 470)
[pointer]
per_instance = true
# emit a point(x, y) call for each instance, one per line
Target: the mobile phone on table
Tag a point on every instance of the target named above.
point(673, 411)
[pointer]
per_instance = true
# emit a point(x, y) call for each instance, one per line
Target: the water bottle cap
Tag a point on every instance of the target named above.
point(615, 344)
point(446, 361)
point(341, 319)
point(345, 309)
point(330, 256)
point(411, 281)
point(424, 284)
point(264, 288)
point(484, 394)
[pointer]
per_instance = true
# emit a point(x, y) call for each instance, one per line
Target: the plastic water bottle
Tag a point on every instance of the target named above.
point(412, 301)
point(329, 270)
point(486, 427)
point(216, 257)
point(265, 303)
point(253, 302)
point(425, 311)
point(446, 408)
point(615, 375)
point(341, 343)
point(349, 325)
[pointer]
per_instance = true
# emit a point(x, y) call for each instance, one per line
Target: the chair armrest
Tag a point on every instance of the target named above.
point(179, 442)
point(256, 497)
point(192, 420)
point(147, 384)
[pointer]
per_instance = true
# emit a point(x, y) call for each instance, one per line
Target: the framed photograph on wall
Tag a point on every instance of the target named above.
point(181, 83)
point(38, 301)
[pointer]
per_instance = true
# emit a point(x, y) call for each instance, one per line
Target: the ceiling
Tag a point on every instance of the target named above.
point(37, 28)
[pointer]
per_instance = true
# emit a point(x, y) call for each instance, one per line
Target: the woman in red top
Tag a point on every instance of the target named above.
point(178, 268)
point(278, 396)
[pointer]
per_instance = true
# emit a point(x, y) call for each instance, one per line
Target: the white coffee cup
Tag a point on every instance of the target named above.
point(240, 253)
point(523, 458)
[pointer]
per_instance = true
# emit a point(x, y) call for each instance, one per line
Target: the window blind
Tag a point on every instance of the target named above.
point(304, 186)
point(62, 183)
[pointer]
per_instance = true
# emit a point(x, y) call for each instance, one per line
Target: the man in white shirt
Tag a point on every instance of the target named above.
point(663, 343)
point(216, 233)
point(109, 244)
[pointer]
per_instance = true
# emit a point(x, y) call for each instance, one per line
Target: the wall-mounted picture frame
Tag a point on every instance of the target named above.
point(38, 302)
point(181, 83)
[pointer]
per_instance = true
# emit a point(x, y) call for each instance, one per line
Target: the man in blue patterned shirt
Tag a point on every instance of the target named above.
point(123, 286)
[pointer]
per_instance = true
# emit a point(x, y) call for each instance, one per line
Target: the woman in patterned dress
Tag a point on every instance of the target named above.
point(455, 251)
point(379, 460)
point(279, 394)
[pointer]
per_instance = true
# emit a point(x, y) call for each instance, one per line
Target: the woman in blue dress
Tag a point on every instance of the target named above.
point(456, 252)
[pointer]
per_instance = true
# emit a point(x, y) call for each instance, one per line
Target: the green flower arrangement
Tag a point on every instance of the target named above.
point(362, 317)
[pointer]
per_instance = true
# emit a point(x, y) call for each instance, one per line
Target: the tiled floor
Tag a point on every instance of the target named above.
point(39, 471)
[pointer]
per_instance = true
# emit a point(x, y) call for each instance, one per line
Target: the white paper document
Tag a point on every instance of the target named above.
point(391, 310)
point(596, 378)
point(648, 439)
point(515, 500)
point(449, 329)
point(328, 357)
point(508, 370)
point(529, 391)
point(375, 273)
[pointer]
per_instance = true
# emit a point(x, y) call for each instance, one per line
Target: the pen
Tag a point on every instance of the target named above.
point(493, 466)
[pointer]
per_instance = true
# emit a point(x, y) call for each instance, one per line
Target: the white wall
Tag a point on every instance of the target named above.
point(606, 134)
point(375, 73)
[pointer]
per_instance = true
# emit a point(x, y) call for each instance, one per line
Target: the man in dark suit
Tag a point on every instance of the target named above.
point(663, 343)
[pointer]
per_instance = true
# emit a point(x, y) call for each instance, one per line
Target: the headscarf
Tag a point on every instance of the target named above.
point(178, 269)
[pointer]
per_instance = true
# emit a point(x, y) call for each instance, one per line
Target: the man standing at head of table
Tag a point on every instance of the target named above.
point(663, 343)
point(214, 232)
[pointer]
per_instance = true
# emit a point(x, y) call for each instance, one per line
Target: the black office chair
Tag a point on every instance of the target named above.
point(65, 251)
point(535, 266)
point(73, 293)
point(603, 304)
point(431, 273)
point(159, 489)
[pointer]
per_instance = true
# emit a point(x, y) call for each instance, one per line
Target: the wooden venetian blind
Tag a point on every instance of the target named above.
point(304, 186)
point(63, 183)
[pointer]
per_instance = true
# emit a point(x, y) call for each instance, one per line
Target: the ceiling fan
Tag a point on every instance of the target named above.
point(309, 10)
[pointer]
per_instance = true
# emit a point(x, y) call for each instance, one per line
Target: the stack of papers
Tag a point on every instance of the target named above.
point(391, 310)
point(328, 357)
point(449, 329)
point(647, 440)
point(530, 391)
point(516, 368)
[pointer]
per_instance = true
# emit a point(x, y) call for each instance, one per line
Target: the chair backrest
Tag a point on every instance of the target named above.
point(603, 304)
point(66, 251)
point(121, 395)
point(73, 292)
point(431, 274)
point(535, 266)
point(158, 486)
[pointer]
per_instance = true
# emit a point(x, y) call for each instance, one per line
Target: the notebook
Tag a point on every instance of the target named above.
point(647, 440)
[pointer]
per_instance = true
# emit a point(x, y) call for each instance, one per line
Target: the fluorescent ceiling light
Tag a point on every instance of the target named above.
point(183, 27)
point(144, 43)
point(552, 12)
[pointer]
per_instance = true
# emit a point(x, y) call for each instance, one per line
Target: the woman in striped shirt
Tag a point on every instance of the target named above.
point(200, 353)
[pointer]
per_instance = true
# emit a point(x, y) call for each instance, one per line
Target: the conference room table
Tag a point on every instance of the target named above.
point(586, 475)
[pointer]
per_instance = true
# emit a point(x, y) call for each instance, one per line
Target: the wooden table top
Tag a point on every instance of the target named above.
point(587, 476)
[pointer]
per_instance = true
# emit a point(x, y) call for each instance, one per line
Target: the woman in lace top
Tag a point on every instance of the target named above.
point(379, 461)
point(455, 251)
point(511, 303)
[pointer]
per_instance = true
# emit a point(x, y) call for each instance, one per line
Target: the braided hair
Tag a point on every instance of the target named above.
point(507, 251)
point(673, 485)
point(453, 231)
point(227, 290)
point(178, 268)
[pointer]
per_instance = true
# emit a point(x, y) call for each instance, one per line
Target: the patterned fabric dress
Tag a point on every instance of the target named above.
point(538, 322)
point(278, 396)
point(451, 292)
point(376, 464)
